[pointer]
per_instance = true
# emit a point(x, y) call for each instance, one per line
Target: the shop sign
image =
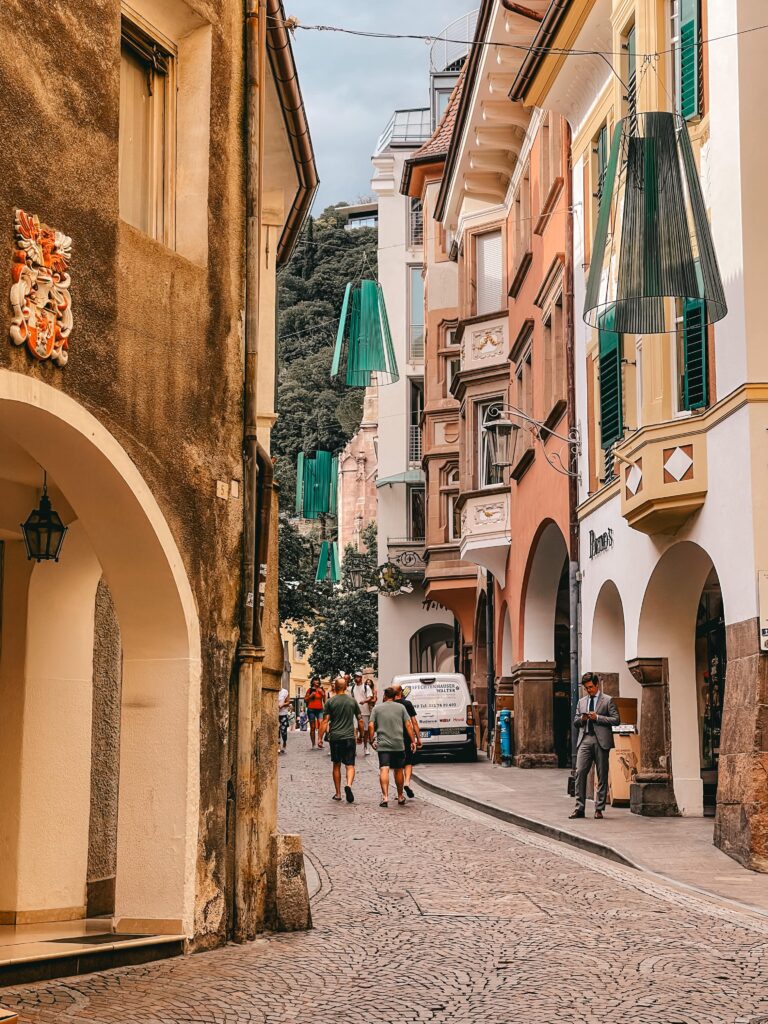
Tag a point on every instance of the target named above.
point(600, 542)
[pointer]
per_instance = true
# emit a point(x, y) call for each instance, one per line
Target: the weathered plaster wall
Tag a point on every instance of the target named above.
point(156, 350)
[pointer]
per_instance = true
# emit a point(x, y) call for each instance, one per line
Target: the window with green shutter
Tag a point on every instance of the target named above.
point(694, 351)
point(609, 363)
point(688, 58)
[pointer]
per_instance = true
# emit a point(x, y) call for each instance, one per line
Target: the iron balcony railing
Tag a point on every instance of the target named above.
point(416, 224)
point(414, 445)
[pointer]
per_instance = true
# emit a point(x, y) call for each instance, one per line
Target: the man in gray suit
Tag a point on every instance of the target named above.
point(596, 715)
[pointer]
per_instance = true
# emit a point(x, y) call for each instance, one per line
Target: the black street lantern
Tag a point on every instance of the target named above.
point(44, 531)
point(502, 436)
point(355, 574)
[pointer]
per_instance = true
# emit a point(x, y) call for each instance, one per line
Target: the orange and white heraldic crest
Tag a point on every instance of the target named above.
point(40, 297)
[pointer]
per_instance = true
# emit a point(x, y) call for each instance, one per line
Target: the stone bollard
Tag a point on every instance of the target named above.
point(292, 910)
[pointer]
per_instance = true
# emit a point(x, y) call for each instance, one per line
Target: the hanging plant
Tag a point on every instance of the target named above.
point(393, 581)
point(363, 341)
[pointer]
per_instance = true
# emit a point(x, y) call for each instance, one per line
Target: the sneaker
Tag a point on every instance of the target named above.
point(349, 794)
point(409, 792)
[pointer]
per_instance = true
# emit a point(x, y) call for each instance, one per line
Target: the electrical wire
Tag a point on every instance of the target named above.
point(293, 24)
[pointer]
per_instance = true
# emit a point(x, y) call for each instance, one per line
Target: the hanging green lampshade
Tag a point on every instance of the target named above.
point(363, 341)
point(316, 485)
point(653, 247)
point(328, 567)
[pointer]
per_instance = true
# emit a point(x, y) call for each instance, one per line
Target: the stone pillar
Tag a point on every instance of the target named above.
point(652, 793)
point(293, 912)
point(741, 822)
point(534, 734)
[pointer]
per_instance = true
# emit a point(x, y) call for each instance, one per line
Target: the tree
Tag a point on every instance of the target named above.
point(345, 636)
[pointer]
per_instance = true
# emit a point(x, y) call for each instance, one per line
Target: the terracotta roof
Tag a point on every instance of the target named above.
point(436, 147)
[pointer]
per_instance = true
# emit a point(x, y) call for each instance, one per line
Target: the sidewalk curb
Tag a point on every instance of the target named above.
point(532, 824)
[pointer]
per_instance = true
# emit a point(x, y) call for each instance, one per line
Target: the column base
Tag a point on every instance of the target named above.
point(653, 799)
point(535, 761)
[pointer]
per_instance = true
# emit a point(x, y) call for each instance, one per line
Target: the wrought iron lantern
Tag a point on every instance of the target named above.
point(653, 247)
point(502, 436)
point(44, 532)
point(363, 341)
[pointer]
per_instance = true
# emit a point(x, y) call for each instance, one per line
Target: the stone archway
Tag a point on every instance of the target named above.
point(607, 656)
point(666, 668)
point(118, 530)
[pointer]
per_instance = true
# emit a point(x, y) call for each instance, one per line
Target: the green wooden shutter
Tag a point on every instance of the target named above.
point(322, 564)
point(695, 383)
point(328, 567)
point(335, 566)
point(611, 405)
point(300, 484)
point(334, 486)
point(689, 58)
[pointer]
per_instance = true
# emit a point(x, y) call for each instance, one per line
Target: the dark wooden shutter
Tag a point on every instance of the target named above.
point(611, 405)
point(689, 58)
point(695, 384)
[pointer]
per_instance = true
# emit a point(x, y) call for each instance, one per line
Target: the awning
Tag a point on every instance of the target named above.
point(411, 476)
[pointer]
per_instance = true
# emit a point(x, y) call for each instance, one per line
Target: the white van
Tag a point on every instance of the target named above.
point(445, 713)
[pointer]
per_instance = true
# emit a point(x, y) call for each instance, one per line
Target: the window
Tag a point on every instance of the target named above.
point(687, 58)
point(488, 474)
point(600, 151)
point(453, 515)
point(146, 120)
point(451, 338)
point(416, 402)
point(488, 272)
point(554, 356)
point(524, 399)
point(693, 384)
point(416, 517)
point(415, 223)
point(452, 367)
point(611, 398)
point(521, 216)
point(630, 49)
point(416, 315)
point(550, 157)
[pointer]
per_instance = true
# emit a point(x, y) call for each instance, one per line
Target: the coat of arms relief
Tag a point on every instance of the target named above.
point(40, 296)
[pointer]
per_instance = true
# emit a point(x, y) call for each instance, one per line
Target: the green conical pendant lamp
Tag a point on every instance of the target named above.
point(328, 567)
point(316, 485)
point(653, 247)
point(363, 341)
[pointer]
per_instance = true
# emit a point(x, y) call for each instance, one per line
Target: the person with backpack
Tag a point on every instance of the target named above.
point(315, 701)
point(365, 695)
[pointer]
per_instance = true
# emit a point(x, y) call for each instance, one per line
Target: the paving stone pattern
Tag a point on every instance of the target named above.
point(433, 913)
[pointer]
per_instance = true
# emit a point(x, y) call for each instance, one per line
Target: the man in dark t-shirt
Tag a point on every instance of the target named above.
point(410, 755)
point(340, 714)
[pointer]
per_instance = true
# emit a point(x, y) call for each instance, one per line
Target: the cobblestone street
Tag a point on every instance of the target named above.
point(432, 913)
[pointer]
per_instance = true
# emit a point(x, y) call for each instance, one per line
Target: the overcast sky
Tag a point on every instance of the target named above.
point(351, 84)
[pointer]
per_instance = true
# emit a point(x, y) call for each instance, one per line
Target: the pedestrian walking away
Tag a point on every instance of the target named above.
point(365, 695)
point(342, 716)
point(315, 700)
point(410, 752)
point(596, 715)
point(283, 717)
point(390, 728)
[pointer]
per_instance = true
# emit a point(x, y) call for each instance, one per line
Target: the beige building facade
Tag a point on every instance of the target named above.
point(121, 380)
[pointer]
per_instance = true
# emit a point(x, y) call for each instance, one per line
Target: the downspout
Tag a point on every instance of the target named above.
point(490, 659)
point(250, 649)
point(573, 461)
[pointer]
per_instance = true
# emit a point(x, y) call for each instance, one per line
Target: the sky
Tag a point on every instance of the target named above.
point(351, 85)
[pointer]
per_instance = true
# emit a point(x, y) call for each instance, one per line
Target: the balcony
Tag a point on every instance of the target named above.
point(485, 537)
point(665, 481)
point(414, 446)
point(407, 554)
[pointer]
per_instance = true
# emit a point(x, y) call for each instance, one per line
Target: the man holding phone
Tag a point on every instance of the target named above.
point(596, 715)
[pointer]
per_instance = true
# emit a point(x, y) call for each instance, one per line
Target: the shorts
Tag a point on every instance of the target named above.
point(315, 714)
point(343, 751)
point(410, 755)
point(391, 759)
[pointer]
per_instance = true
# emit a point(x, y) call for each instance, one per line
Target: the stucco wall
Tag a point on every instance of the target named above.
point(156, 350)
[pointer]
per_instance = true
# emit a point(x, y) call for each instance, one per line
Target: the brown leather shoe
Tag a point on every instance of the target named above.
point(576, 814)
point(598, 814)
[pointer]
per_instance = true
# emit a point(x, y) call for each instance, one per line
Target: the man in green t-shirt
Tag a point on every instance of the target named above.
point(390, 728)
point(340, 714)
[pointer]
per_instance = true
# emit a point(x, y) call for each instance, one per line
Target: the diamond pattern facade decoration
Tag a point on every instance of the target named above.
point(678, 463)
point(634, 479)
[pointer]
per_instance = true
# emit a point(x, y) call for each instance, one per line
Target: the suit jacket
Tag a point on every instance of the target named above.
point(607, 716)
